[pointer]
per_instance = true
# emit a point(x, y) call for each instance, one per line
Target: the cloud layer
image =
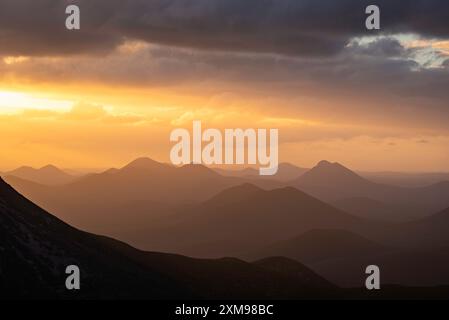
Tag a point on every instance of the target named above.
point(293, 27)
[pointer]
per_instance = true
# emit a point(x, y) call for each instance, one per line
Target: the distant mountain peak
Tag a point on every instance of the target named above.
point(23, 168)
point(326, 172)
point(27, 169)
point(324, 163)
point(245, 187)
point(328, 164)
point(47, 175)
point(130, 272)
point(143, 163)
point(50, 167)
point(236, 193)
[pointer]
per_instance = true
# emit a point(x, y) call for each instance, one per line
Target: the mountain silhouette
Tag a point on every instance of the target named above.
point(286, 172)
point(341, 257)
point(439, 218)
point(407, 267)
point(325, 172)
point(332, 182)
point(373, 209)
point(319, 245)
point(145, 163)
point(242, 218)
point(402, 179)
point(47, 175)
point(235, 194)
point(36, 247)
point(290, 267)
point(428, 232)
point(117, 201)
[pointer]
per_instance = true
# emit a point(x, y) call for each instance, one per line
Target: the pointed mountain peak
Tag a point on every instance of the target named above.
point(27, 169)
point(245, 187)
point(325, 165)
point(50, 168)
point(235, 194)
point(327, 173)
point(328, 164)
point(287, 194)
point(23, 169)
point(143, 163)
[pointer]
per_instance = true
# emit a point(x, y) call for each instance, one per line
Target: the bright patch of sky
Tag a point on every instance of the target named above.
point(428, 53)
point(14, 102)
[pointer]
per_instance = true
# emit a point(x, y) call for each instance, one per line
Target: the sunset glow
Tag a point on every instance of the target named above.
point(371, 98)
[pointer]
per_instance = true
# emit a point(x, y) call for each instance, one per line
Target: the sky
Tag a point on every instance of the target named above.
point(113, 91)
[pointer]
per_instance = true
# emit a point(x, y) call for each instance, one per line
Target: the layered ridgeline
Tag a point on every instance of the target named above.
point(243, 218)
point(130, 196)
point(286, 172)
point(146, 203)
point(336, 184)
point(47, 175)
point(36, 247)
point(145, 190)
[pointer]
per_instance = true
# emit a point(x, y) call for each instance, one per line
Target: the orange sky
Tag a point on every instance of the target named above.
point(91, 126)
point(91, 111)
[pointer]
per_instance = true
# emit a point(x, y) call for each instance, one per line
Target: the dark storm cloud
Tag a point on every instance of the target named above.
point(293, 27)
point(382, 47)
point(37, 27)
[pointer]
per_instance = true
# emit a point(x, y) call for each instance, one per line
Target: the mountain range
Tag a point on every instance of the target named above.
point(334, 183)
point(47, 175)
point(134, 202)
point(136, 194)
point(36, 247)
point(286, 172)
point(242, 218)
point(341, 255)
